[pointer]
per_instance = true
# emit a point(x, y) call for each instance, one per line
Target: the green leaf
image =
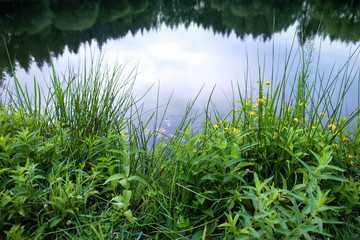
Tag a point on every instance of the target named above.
point(126, 168)
point(115, 177)
point(39, 177)
point(55, 221)
point(234, 161)
point(200, 198)
point(139, 179)
point(283, 231)
point(21, 212)
point(209, 176)
point(209, 212)
point(326, 208)
point(335, 168)
point(126, 198)
point(306, 166)
point(125, 183)
point(197, 235)
point(328, 176)
point(129, 216)
point(299, 187)
point(332, 221)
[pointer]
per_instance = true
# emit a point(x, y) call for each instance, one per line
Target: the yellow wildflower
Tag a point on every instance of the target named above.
point(252, 114)
point(336, 146)
point(235, 110)
point(345, 138)
point(267, 83)
point(256, 118)
point(351, 162)
point(255, 106)
point(346, 134)
point(226, 129)
point(303, 104)
point(322, 114)
point(332, 126)
point(313, 127)
point(330, 119)
point(215, 126)
point(296, 119)
point(249, 98)
point(260, 100)
point(348, 156)
point(235, 130)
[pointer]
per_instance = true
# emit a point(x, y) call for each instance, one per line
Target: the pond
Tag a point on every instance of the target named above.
point(182, 46)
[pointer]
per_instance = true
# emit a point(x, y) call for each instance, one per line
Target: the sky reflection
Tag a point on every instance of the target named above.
point(183, 60)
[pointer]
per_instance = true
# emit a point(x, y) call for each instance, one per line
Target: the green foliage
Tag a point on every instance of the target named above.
point(78, 165)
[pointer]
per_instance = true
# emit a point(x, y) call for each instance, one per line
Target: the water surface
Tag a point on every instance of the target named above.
point(181, 46)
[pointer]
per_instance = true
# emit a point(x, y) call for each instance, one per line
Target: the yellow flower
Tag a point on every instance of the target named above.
point(235, 130)
point(252, 114)
point(255, 106)
point(235, 110)
point(249, 98)
point(256, 118)
point(303, 104)
point(260, 100)
point(267, 83)
point(226, 129)
point(215, 126)
point(322, 114)
point(346, 134)
point(296, 119)
point(332, 126)
point(313, 127)
point(351, 162)
point(330, 119)
point(336, 146)
point(345, 138)
point(348, 156)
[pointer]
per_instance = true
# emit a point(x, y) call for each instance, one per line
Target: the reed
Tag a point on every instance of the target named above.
point(77, 163)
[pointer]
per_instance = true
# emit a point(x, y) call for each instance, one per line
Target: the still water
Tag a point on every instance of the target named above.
point(181, 46)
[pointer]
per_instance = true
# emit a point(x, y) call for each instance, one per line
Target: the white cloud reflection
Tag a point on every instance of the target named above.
point(185, 59)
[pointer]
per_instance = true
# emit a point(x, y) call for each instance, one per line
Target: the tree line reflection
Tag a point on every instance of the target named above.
point(32, 29)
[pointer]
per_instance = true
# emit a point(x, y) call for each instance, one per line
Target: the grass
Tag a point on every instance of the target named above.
point(77, 163)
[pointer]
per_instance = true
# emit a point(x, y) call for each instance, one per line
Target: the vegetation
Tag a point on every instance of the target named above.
point(77, 164)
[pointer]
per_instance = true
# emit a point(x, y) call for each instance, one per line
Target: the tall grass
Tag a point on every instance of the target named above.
point(78, 163)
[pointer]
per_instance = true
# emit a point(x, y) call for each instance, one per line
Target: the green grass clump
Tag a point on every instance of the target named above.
point(78, 165)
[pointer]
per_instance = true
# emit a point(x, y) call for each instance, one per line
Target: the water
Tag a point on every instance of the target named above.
point(180, 46)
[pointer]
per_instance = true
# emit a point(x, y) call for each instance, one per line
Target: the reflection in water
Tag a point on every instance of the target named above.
point(32, 29)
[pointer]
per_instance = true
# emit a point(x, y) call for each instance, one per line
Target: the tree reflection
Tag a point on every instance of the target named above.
point(33, 29)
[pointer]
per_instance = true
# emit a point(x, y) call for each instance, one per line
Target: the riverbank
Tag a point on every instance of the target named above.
point(78, 164)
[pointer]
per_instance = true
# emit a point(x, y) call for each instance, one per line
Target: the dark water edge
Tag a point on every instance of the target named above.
point(32, 29)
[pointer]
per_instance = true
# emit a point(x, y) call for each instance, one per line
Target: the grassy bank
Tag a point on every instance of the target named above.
point(77, 164)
